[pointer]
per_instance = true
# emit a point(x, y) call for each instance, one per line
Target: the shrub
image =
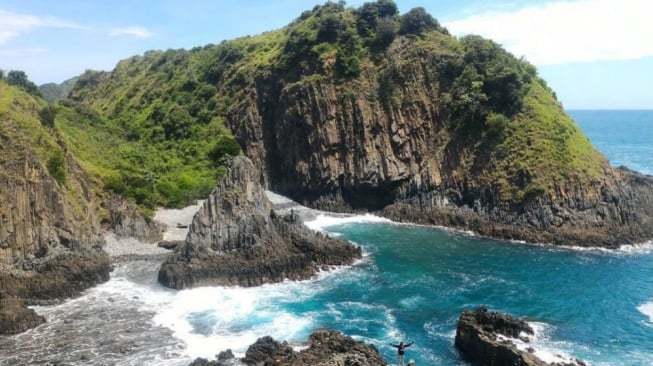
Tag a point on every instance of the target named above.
point(56, 167)
point(47, 116)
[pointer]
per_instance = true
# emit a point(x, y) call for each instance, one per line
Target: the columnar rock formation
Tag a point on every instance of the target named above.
point(331, 146)
point(237, 239)
point(52, 218)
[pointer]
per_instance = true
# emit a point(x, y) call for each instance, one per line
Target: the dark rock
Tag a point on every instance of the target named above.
point(224, 358)
point(477, 338)
point(340, 147)
point(326, 348)
point(125, 220)
point(225, 355)
point(170, 244)
point(237, 239)
point(63, 276)
point(15, 317)
point(267, 348)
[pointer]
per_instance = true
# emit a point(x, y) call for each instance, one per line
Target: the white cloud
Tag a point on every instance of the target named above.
point(13, 25)
point(22, 52)
point(139, 32)
point(565, 32)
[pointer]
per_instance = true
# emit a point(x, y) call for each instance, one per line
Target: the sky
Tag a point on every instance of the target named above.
point(595, 54)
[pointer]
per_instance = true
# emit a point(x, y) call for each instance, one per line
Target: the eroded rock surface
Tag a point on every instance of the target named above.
point(237, 239)
point(326, 348)
point(479, 338)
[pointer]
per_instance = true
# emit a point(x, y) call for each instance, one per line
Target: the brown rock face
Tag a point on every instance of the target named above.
point(236, 239)
point(50, 228)
point(16, 318)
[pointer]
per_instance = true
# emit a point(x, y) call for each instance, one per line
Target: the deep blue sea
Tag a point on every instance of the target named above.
point(596, 305)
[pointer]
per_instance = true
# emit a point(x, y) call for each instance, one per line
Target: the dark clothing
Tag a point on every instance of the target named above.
point(401, 347)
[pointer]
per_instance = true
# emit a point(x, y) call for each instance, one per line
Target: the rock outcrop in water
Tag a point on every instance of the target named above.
point(327, 348)
point(237, 239)
point(478, 337)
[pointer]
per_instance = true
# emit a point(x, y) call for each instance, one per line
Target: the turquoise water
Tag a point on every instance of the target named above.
point(417, 280)
point(595, 305)
point(413, 283)
point(624, 136)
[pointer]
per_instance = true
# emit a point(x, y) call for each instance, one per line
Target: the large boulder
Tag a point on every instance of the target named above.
point(481, 338)
point(237, 239)
point(477, 337)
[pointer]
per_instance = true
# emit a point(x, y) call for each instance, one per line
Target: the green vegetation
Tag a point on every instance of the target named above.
point(19, 79)
point(53, 92)
point(22, 134)
point(153, 128)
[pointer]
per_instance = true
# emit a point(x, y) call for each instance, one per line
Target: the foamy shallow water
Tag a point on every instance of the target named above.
point(411, 285)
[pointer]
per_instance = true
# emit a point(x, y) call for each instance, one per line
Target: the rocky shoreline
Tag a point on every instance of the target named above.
point(325, 348)
point(236, 238)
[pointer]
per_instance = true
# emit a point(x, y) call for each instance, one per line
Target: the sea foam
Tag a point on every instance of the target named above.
point(647, 309)
point(323, 221)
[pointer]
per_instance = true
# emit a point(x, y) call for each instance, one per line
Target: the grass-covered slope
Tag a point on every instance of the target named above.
point(53, 92)
point(159, 127)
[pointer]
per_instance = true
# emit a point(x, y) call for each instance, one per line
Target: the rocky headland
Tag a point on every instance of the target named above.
point(481, 337)
point(53, 217)
point(325, 348)
point(237, 239)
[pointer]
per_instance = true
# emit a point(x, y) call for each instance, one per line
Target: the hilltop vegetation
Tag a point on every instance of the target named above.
point(155, 128)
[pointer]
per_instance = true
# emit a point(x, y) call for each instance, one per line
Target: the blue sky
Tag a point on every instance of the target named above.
point(596, 54)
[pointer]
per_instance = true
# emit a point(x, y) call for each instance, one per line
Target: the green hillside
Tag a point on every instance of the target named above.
point(53, 92)
point(154, 128)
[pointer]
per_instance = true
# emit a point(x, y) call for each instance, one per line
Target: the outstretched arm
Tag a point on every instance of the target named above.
point(409, 344)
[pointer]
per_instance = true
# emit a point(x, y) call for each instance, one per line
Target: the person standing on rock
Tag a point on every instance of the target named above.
point(400, 351)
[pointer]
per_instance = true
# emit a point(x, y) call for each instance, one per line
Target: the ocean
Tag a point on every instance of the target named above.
point(411, 285)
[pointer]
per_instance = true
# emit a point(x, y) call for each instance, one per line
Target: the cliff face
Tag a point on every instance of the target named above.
point(51, 216)
point(236, 239)
point(366, 109)
point(337, 145)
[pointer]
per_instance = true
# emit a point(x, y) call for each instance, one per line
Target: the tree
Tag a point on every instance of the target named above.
point(330, 29)
point(177, 123)
point(19, 78)
point(47, 116)
point(385, 32)
point(417, 21)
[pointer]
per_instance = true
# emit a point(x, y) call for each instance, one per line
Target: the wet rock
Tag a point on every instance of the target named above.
point(478, 339)
point(325, 348)
point(15, 317)
point(237, 239)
